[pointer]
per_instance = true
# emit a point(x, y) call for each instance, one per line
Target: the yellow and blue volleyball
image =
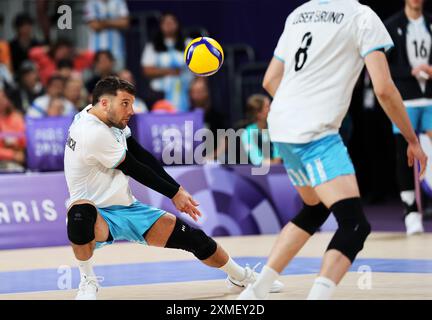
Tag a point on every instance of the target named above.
point(204, 56)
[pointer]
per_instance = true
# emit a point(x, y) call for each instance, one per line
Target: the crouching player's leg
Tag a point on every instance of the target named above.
point(85, 226)
point(172, 232)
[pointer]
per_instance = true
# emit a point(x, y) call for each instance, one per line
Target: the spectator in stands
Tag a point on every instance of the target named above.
point(12, 135)
point(29, 87)
point(256, 135)
point(199, 96)
point(23, 41)
point(46, 58)
point(162, 63)
point(55, 107)
point(139, 105)
point(5, 55)
point(75, 92)
point(55, 89)
point(104, 63)
point(107, 19)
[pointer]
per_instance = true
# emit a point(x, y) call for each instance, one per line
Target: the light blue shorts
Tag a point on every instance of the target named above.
point(129, 222)
point(316, 162)
point(421, 119)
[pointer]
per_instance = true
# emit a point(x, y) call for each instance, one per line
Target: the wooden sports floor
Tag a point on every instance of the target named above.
point(391, 266)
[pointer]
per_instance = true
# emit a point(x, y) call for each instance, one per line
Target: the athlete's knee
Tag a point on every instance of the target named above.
point(190, 239)
point(353, 227)
point(81, 223)
point(311, 218)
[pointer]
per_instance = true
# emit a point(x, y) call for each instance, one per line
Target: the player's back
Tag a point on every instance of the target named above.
point(322, 47)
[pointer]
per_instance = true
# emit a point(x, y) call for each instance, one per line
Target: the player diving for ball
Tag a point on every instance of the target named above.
point(100, 156)
point(316, 63)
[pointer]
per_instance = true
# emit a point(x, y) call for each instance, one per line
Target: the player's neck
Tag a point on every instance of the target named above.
point(98, 114)
point(413, 14)
point(262, 124)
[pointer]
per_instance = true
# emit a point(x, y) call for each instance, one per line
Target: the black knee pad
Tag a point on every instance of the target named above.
point(353, 227)
point(311, 218)
point(81, 222)
point(190, 239)
point(404, 173)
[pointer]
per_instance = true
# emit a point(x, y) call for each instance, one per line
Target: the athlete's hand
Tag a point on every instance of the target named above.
point(415, 151)
point(184, 202)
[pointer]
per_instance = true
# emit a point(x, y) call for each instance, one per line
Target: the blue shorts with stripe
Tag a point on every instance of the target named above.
point(421, 119)
point(316, 162)
point(129, 222)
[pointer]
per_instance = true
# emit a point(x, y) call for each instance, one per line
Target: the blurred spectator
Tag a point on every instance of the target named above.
point(65, 68)
point(256, 135)
point(23, 41)
point(46, 58)
point(107, 19)
point(76, 93)
point(104, 63)
point(55, 107)
point(199, 95)
point(5, 55)
point(163, 106)
point(55, 89)
point(29, 87)
point(139, 105)
point(12, 135)
point(162, 62)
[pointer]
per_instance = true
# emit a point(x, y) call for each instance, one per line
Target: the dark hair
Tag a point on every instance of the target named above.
point(55, 77)
point(61, 42)
point(110, 85)
point(65, 63)
point(159, 40)
point(99, 53)
point(22, 19)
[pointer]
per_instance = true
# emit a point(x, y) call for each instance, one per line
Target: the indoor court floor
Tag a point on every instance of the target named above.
point(391, 266)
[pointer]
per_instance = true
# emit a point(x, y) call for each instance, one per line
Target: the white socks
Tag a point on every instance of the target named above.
point(264, 282)
point(234, 270)
point(322, 289)
point(408, 197)
point(86, 268)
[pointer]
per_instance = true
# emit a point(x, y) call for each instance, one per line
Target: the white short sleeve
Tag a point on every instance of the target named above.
point(102, 146)
point(371, 33)
point(90, 10)
point(282, 45)
point(122, 9)
point(149, 56)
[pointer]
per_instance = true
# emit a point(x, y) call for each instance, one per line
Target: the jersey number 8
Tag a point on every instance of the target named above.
point(301, 54)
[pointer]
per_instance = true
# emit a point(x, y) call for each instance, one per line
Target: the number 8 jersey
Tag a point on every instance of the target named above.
point(323, 47)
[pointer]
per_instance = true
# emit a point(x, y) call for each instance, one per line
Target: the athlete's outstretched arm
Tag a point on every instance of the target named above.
point(144, 174)
point(391, 101)
point(273, 76)
point(145, 157)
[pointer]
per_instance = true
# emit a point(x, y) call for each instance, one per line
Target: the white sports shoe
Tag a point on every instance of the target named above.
point(88, 288)
point(249, 294)
point(414, 223)
point(236, 286)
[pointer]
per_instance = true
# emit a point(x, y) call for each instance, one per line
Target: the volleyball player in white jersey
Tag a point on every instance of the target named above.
point(100, 155)
point(316, 63)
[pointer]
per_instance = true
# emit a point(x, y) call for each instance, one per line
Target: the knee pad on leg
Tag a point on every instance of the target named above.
point(190, 239)
point(311, 218)
point(81, 222)
point(353, 227)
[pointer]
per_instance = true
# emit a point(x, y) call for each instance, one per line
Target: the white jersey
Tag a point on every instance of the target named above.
point(92, 151)
point(323, 46)
point(418, 44)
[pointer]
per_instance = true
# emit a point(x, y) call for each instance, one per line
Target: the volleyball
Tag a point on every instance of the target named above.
point(204, 56)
